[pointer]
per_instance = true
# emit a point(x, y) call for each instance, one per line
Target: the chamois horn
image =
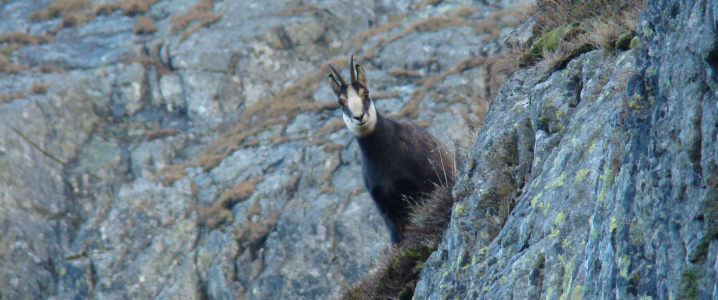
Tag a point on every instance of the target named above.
point(339, 76)
point(351, 68)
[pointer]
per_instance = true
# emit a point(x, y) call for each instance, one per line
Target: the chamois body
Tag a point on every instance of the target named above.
point(401, 162)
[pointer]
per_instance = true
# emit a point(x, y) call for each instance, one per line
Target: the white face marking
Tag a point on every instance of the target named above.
point(356, 108)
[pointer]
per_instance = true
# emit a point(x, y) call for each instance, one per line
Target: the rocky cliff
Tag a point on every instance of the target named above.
point(186, 149)
point(190, 149)
point(612, 166)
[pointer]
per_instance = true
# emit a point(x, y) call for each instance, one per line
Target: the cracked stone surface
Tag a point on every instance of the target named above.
point(612, 166)
point(86, 210)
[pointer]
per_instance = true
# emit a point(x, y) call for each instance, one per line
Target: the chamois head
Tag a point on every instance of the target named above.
point(358, 109)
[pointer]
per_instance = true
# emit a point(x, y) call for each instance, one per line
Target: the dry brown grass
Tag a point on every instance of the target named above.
point(425, 3)
point(240, 192)
point(9, 48)
point(20, 95)
point(15, 68)
point(4, 61)
point(23, 38)
point(75, 19)
point(403, 73)
point(568, 28)
point(398, 269)
point(5, 98)
point(202, 12)
point(39, 88)
point(134, 7)
point(160, 133)
point(60, 8)
point(50, 69)
point(297, 9)
point(144, 26)
point(107, 8)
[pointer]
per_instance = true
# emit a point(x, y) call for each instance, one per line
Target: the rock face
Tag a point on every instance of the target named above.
point(111, 188)
point(612, 164)
point(88, 208)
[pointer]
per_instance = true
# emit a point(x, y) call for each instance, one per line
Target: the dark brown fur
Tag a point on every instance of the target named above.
point(401, 162)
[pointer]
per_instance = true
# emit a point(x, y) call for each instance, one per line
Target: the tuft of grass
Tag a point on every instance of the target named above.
point(241, 191)
point(74, 20)
point(398, 270)
point(24, 38)
point(107, 8)
point(426, 3)
point(403, 73)
point(60, 8)
point(144, 26)
point(5, 98)
point(296, 9)
point(134, 7)
point(567, 26)
point(565, 29)
point(50, 69)
point(160, 133)
point(202, 12)
point(4, 61)
point(39, 88)
point(15, 68)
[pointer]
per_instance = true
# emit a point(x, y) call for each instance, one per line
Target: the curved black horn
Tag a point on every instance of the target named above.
point(351, 69)
point(341, 80)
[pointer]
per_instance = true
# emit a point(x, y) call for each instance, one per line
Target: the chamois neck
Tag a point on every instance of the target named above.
point(378, 140)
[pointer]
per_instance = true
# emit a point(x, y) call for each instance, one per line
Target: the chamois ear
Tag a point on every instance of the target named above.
point(336, 88)
point(361, 76)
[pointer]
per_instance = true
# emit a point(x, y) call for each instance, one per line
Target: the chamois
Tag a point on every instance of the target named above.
point(401, 162)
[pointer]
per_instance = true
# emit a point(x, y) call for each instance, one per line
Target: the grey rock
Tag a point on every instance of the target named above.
point(85, 213)
point(616, 198)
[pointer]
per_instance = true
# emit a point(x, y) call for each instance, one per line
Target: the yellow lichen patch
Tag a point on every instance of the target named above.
point(614, 224)
point(623, 264)
point(533, 201)
point(577, 293)
point(556, 182)
point(582, 173)
point(459, 209)
point(560, 218)
point(560, 113)
point(554, 233)
point(568, 280)
point(539, 205)
point(484, 235)
point(593, 145)
point(607, 184)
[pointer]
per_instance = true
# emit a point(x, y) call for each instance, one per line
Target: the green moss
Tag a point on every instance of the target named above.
point(689, 285)
point(624, 40)
point(549, 41)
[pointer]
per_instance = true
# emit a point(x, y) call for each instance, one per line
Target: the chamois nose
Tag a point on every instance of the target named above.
point(359, 117)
